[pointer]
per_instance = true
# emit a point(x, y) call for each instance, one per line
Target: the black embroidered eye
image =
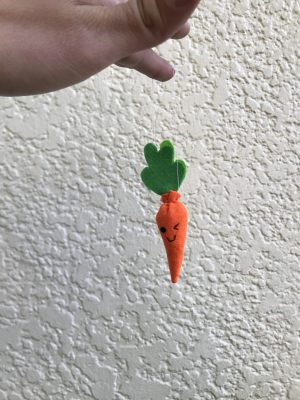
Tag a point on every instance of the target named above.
point(176, 227)
point(163, 229)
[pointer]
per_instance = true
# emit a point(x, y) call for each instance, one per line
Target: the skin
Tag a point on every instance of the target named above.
point(49, 45)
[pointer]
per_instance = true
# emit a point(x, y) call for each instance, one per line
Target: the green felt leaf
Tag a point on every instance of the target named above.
point(163, 173)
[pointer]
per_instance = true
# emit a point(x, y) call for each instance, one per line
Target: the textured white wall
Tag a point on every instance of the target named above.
point(87, 310)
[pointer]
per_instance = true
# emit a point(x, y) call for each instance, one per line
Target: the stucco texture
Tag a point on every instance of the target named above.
point(87, 310)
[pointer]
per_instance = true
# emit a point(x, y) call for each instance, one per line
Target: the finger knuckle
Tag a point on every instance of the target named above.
point(152, 20)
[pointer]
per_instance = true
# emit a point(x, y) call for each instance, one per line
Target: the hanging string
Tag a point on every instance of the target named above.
point(177, 175)
point(153, 130)
point(154, 109)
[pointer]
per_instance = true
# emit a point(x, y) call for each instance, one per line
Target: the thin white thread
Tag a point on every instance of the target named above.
point(152, 119)
point(177, 175)
point(155, 114)
point(153, 135)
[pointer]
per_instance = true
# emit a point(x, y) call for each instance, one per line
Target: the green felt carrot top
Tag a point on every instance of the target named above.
point(164, 173)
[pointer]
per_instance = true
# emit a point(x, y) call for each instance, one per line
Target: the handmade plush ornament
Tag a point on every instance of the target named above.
point(164, 176)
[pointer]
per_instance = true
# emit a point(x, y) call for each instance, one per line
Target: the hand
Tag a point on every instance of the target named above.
point(147, 61)
point(48, 45)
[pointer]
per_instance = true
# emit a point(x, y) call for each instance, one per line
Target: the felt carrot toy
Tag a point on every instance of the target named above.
point(164, 176)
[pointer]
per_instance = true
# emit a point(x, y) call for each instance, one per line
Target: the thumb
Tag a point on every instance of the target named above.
point(142, 24)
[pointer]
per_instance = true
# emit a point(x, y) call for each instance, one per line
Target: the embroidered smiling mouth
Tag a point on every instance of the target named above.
point(172, 239)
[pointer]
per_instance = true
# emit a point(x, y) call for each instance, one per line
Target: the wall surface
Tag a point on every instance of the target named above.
point(87, 310)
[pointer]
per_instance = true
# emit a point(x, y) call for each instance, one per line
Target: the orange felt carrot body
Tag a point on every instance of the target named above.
point(164, 176)
point(172, 219)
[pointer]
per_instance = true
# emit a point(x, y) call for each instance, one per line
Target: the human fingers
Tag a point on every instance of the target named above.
point(141, 24)
point(150, 64)
point(183, 31)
